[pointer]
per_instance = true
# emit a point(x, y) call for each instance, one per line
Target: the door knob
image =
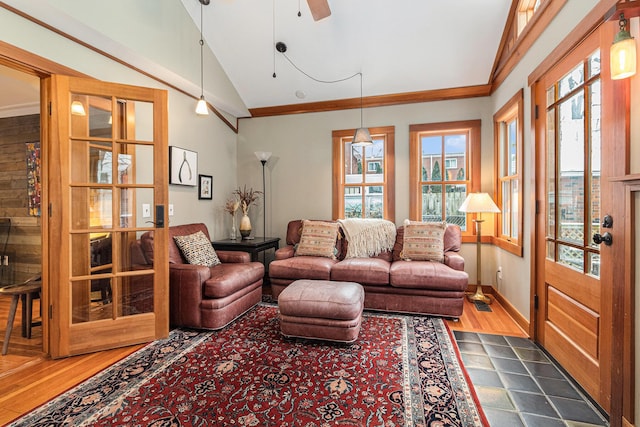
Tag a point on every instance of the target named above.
point(605, 238)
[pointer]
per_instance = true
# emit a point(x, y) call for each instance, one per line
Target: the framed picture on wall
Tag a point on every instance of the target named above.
point(205, 187)
point(183, 166)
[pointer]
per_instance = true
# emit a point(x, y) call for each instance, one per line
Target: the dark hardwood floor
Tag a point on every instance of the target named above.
point(29, 379)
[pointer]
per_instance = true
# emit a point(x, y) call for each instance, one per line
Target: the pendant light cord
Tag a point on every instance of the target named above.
point(320, 80)
point(201, 55)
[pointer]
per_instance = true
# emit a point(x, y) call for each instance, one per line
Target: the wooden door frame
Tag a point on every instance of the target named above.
point(29, 63)
point(613, 129)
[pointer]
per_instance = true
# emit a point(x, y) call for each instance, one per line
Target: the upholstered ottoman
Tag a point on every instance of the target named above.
point(321, 309)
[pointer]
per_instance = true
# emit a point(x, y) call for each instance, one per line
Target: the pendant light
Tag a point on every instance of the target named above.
point(623, 53)
point(201, 106)
point(362, 137)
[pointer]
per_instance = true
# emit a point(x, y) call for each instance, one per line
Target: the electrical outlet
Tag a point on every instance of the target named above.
point(170, 209)
point(500, 273)
point(146, 210)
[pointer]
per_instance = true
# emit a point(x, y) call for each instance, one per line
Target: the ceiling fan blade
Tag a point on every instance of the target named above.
point(319, 9)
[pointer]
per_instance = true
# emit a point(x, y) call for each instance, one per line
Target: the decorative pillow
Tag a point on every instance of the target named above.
point(318, 239)
point(197, 249)
point(423, 241)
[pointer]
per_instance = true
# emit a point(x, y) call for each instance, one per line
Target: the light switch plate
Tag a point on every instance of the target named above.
point(146, 210)
point(170, 209)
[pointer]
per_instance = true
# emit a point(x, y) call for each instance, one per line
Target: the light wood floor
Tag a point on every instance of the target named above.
point(29, 379)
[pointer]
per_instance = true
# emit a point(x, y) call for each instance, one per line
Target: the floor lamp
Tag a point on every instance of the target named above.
point(263, 156)
point(479, 203)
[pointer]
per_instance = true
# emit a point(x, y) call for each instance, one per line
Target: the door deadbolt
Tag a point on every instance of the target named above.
point(607, 221)
point(605, 238)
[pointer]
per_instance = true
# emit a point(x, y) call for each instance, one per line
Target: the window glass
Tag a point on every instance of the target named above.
point(440, 178)
point(508, 145)
point(363, 175)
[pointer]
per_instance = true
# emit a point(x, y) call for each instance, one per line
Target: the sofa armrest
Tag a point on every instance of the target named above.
point(233, 256)
point(454, 260)
point(285, 252)
point(186, 284)
point(189, 273)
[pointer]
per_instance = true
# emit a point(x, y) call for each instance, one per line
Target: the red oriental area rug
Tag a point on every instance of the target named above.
point(402, 371)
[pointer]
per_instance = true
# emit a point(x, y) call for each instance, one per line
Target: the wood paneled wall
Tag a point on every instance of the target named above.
point(24, 246)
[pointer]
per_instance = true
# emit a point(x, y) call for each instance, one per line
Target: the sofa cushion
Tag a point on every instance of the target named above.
point(197, 249)
point(303, 267)
point(227, 279)
point(318, 239)
point(423, 241)
point(370, 271)
point(427, 275)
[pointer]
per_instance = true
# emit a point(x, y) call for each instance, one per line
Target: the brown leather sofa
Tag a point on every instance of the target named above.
point(205, 297)
point(390, 283)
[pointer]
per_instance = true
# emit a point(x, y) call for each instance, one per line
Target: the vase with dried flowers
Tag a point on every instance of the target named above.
point(246, 198)
point(231, 206)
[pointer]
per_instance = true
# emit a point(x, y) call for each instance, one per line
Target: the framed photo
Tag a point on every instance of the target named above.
point(183, 166)
point(205, 187)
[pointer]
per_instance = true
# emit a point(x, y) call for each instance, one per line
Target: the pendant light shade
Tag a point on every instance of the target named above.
point(623, 53)
point(362, 137)
point(77, 109)
point(201, 106)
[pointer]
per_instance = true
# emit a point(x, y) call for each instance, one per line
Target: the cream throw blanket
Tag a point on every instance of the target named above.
point(368, 237)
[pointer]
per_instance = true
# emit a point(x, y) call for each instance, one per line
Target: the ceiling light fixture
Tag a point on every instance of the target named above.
point(623, 53)
point(201, 106)
point(362, 137)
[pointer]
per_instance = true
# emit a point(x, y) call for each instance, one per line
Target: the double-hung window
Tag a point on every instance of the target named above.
point(444, 168)
point(508, 134)
point(364, 176)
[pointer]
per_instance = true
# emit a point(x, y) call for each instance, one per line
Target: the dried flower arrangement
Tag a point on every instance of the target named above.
point(232, 205)
point(247, 197)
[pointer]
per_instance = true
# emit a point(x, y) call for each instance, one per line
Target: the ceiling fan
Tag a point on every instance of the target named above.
point(319, 9)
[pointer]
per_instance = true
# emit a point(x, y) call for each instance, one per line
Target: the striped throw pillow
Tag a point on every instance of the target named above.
point(423, 241)
point(318, 239)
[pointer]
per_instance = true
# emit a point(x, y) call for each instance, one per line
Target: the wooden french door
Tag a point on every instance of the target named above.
point(107, 184)
point(573, 274)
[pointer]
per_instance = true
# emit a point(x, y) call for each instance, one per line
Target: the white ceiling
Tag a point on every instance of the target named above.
point(398, 46)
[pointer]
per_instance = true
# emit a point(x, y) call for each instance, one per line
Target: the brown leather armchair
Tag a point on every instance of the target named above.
point(207, 297)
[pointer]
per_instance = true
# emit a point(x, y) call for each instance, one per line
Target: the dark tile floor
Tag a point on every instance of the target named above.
point(518, 385)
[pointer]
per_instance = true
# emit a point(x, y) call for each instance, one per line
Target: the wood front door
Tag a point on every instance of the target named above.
point(573, 273)
point(107, 184)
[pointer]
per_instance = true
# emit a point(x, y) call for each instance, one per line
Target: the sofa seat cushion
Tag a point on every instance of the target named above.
point(372, 271)
point(229, 278)
point(427, 274)
point(302, 267)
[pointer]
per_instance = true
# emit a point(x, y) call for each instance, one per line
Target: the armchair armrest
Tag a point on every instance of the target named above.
point(285, 252)
point(454, 260)
point(185, 292)
point(233, 256)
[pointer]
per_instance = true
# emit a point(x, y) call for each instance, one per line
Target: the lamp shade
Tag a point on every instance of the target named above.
point(362, 137)
point(77, 108)
point(263, 156)
point(201, 107)
point(623, 58)
point(478, 203)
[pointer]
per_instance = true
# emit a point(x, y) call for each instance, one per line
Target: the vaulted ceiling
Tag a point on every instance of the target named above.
point(398, 46)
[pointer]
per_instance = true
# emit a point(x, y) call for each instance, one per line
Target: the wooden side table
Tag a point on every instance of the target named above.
point(253, 246)
point(26, 292)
